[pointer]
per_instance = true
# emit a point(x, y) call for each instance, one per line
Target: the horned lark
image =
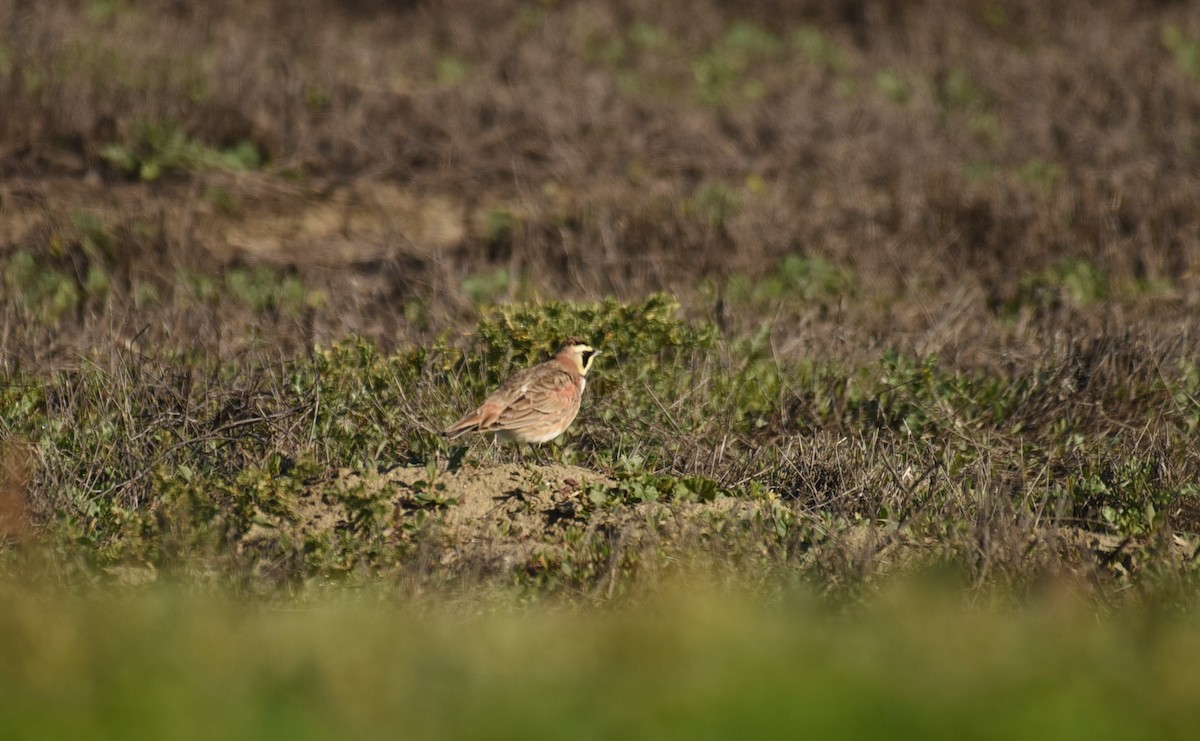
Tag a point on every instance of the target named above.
point(537, 404)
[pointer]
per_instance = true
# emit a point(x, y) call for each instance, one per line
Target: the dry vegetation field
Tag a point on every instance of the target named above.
point(887, 291)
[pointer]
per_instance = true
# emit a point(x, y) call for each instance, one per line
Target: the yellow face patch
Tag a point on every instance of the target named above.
point(585, 355)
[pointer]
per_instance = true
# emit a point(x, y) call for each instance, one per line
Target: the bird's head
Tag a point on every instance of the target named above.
point(578, 354)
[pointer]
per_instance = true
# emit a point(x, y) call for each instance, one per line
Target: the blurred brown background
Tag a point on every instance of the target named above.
point(987, 174)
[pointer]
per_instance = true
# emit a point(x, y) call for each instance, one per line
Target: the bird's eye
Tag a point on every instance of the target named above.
point(587, 356)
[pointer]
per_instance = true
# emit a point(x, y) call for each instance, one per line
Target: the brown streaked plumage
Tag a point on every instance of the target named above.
point(537, 404)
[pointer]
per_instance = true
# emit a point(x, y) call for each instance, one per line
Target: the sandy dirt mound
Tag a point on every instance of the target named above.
point(499, 518)
point(502, 516)
point(540, 518)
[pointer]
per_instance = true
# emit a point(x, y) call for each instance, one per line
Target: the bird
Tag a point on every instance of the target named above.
point(537, 404)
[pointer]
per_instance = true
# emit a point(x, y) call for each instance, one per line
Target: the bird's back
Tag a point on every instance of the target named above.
point(534, 405)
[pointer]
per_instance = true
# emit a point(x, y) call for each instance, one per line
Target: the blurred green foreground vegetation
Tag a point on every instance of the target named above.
point(914, 662)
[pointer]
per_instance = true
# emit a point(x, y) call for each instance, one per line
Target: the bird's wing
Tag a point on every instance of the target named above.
point(525, 396)
point(545, 390)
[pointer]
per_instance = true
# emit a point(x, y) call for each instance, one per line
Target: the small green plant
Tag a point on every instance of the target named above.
point(94, 237)
point(994, 15)
point(611, 51)
point(893, 86)
point(498, 225)
point(145, 294)
point(715, 203)
point(1039, 172)
point(985, 128)
point(714, 75)
point(814, 45)
point(486, 287)
point(956, 90)
point(1185, 49)
point(452, 70)
point(720, 72)
point(640, 486)
point(751, 40)
point(6, 63)
point(1077, 281)
point(263, 289)
point(1083, 281)
point(979, 171)
point(198, 287)
point(317, 97)
point(97, 283)
point(222, 199)
point(646, 36)
point(1125, 491)
point(33, 80)
point(45, 291)
point(416, 312)
point(101, 11)
point(158, 148)
point(807, 278)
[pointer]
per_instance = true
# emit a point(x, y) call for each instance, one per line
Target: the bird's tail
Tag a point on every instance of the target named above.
point(482, 419)
point(469, 423)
